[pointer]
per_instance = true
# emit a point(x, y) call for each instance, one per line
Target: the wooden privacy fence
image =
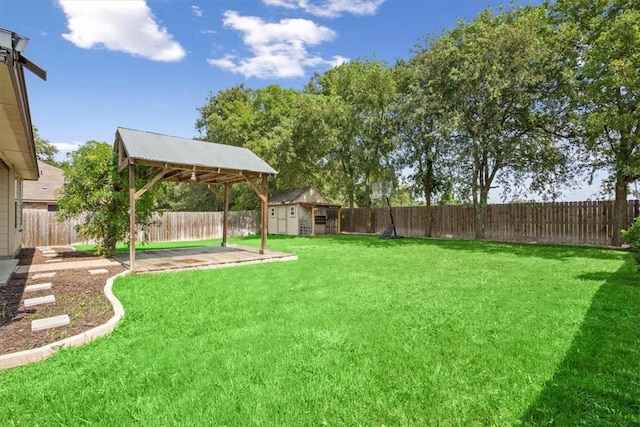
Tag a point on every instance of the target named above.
point(40, 227)
point(577, 223)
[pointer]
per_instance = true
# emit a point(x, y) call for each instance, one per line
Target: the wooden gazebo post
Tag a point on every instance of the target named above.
point(225, 216)
point(132, 216)
point(265, 219)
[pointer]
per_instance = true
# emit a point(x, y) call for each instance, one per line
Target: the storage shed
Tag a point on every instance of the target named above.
point(303, 212)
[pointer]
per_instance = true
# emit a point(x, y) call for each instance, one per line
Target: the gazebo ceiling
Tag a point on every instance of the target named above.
point(188, 160)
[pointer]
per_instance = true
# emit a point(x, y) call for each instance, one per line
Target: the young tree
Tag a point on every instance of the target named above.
point(94, 192)
point(605, 35)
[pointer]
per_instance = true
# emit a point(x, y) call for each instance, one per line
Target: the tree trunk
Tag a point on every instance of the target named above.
point(429, 228)
point(351, 212)
point(428, 189)
point(481, 213)
point(620, 220)
point(367, 204)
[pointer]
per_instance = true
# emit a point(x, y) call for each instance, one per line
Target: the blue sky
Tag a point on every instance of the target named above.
point(150, 65)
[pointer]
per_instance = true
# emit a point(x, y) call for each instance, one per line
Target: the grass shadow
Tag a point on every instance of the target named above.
point(598, 382)
point(556, 252)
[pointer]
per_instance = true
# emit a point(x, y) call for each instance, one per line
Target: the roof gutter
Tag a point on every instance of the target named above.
point(11, 46)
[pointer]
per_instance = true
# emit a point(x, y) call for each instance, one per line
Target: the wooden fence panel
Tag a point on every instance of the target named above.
point(581, 223)
point(576, 223)
point(42, 229)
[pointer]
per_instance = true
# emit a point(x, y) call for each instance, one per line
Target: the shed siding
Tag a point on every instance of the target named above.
point(273, 221)
point(304, 224)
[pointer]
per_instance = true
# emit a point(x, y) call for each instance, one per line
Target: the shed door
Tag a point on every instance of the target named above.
point(282, 219)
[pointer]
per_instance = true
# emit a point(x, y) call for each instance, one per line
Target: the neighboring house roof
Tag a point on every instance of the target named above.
point(44, 189)
point(18, 148)
point(157, 149)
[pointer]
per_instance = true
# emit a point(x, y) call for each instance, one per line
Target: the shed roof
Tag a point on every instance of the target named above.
point(305, 196)
point(289, 196)
point(154, 149)
point(44, 189)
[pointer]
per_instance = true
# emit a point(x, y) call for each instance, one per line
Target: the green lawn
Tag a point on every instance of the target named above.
point(359, 331)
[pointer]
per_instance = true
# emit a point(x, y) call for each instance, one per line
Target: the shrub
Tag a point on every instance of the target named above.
point(631, 236)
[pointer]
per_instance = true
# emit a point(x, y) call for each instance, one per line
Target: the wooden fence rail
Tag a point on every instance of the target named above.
point(576, 223)
point(40, 227)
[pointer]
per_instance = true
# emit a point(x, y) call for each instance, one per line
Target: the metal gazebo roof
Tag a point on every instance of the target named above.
point(197, 161)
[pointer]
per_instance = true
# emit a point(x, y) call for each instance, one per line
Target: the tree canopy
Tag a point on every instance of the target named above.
point(522, 98)
point(605, 89)
point(45, 151)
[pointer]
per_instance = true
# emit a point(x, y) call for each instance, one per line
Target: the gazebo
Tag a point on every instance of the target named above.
point(177, 159)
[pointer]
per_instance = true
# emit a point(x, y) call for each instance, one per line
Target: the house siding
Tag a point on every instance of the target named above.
point(4, 212)
point(15, 212)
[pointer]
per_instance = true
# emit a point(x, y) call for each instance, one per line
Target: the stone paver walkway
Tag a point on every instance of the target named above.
point(66, 265)
point(50, 322)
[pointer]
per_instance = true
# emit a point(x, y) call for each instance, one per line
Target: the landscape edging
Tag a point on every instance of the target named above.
point(19, 358)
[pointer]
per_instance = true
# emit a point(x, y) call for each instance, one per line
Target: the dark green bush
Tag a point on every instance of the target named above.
point(631, 236)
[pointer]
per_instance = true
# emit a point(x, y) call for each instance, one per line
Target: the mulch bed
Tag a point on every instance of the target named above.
point(78, 294)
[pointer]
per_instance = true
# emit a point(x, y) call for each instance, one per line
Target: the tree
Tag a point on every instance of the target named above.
point(498, 73)
point(94, 192)
point(316, 131)
point(271, 122)
point(227, 116)
point(605, 35)
point(366, 90)
point(423, 127)
point(45, 151)
point(186, 197)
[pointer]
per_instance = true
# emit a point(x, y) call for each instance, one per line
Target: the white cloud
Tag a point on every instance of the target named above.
point(279, 49)
point(124, 26)
point(64, 148)
point(197, 12)
point(329, 8)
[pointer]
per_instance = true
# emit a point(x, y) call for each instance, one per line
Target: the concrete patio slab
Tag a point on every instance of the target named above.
point(30, 302)
point(201, 258)
point(50, 322)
